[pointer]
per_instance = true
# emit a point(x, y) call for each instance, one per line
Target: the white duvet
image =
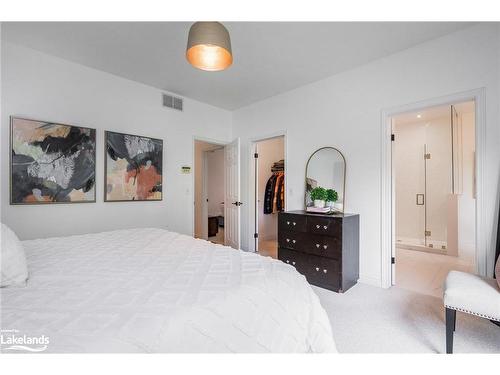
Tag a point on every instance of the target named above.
point(151, 290)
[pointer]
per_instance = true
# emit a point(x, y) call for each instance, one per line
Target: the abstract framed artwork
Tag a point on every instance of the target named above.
point(51, 162)
point(133, 168)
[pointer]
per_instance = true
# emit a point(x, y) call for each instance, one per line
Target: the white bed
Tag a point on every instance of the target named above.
point(151, 290)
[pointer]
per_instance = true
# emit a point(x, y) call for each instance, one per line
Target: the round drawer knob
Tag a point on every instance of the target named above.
point(287, 240)
point(294, 223)
point(317, 269)
point(325, 271)
point(325, 227)
point(317, 245)
point(294, 241)
point(293, 263)
point(317, 226)
point(325, 247)
point(287, 223)
point(287, 261)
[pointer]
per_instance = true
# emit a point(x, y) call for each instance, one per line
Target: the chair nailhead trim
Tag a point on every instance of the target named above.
point(473, 313)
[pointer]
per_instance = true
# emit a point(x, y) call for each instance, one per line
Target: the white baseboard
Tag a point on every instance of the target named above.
point(369, 280)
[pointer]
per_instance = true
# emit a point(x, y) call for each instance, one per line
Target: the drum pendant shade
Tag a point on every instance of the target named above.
point(209, 46)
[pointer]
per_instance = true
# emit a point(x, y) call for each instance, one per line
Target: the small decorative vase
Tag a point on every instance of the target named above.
point(330, 204)
point(318, 203)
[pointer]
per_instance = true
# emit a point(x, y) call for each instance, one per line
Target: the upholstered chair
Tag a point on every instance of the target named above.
point(470, 294)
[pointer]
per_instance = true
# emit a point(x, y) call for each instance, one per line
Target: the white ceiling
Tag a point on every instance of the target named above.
point(269, 57)
point(430, 113)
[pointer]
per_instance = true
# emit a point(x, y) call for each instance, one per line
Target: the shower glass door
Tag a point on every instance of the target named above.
point(438, 164)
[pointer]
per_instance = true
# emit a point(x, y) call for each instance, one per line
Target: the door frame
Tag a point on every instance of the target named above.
point(388, 236)
point(253, 219)
point(193, 184)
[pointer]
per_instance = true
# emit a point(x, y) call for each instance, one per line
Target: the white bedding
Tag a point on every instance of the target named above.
point(151, 290)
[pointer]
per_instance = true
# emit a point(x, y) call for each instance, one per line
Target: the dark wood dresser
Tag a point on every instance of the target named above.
point(324, 248)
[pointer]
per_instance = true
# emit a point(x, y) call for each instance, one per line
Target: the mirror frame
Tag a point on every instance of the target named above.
point(343, 187)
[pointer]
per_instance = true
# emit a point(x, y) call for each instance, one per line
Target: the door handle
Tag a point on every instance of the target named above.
point(237, 203)
point(420, 199)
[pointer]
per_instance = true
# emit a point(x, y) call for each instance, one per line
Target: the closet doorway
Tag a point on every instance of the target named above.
point(270, 196)
point(209, 191)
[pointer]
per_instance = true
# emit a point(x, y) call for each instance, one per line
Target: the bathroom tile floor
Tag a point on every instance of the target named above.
point(424, 272)
point(218, 238)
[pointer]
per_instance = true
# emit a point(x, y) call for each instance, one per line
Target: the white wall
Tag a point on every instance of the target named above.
point(270, 151)
point(345, 110)
point(40, 86)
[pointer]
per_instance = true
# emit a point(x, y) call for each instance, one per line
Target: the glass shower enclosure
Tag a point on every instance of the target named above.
point(427, 179)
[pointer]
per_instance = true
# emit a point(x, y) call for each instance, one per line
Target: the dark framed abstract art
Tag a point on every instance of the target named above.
point(51, 162)
point(133, 168)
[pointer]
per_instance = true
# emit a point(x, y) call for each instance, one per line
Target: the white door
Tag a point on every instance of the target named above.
point(232, 204)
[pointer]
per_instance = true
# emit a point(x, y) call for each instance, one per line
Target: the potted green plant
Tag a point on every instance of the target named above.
point(331, 197)
point(318, 196)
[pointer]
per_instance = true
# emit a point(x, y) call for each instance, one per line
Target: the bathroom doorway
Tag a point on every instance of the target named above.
point(433, 162)
point(209, 191)
point(269, 193)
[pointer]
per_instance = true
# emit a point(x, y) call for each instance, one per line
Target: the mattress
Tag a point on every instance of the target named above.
point(151, 290)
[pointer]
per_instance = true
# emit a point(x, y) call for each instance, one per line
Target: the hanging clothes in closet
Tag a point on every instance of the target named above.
point(274, 195)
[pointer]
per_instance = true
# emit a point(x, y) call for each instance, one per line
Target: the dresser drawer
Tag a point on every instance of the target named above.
point(290, 222)
point(324, 246)
point(323, 272)
point(325, 226)
point(298, 260)
point(292, 240)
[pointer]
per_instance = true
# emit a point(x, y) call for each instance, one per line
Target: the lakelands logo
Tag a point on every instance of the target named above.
point(12, 340)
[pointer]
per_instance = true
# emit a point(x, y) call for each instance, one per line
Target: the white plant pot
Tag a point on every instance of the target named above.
point(330, 204)
point(319, 203)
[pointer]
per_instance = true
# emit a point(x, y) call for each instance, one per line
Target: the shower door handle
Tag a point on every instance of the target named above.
point(420, 200)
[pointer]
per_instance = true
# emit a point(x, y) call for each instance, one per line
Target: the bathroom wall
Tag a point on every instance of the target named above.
point(466, 202)
point(215, 182)
point(200, 227)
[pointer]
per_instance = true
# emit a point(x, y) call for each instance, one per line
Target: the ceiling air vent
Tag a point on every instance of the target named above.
point(172, 102)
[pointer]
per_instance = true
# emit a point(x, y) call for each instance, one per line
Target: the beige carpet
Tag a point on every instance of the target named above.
point(368, 319)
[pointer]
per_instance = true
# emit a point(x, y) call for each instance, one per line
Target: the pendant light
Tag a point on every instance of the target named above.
point(209, 46)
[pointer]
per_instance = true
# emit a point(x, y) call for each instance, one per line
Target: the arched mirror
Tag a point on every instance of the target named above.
point(325, 181)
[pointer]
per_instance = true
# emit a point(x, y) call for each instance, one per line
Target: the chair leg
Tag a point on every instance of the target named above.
point(451, 316)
